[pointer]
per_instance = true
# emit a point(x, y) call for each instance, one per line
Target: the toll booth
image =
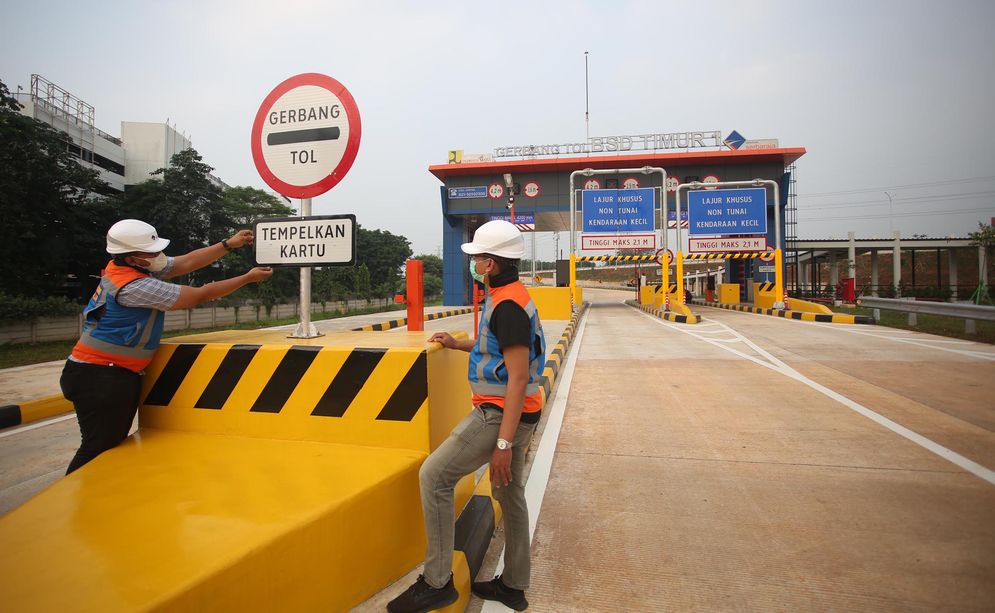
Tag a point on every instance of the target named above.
point(473, 193)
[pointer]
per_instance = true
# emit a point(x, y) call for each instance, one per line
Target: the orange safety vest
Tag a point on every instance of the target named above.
point(114, 334)
point(487, 371)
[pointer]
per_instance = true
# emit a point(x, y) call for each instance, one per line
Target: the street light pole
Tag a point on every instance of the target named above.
point(891, 216)
point(587, 102)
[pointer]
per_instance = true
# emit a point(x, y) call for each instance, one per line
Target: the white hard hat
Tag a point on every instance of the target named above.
point(129, 235)
point(498, 238)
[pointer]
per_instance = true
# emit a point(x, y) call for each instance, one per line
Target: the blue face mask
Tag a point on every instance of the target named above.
point(479, 278)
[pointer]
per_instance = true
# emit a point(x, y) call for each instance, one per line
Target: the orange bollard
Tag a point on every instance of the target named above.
point(415, 274)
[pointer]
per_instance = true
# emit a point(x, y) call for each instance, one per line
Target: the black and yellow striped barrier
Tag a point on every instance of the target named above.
point(728, 256)
point(265, 476)
point(555, 358)
point(833, 318)
point(616, 258)
point(33, 410)
point(668, 315)
point(341, 388)
point(397, 323)
point(765, 286)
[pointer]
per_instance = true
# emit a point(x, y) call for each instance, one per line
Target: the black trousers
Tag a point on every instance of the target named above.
point(106, 400)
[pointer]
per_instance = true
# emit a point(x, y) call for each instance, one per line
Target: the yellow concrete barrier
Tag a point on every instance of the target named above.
point(646, 294)
point(578, 295)
point(268, 474)
point(33, 410)
point(553, 303)
point(728, 293)
point(356, 388)
point(804, 306)
point(764, 295)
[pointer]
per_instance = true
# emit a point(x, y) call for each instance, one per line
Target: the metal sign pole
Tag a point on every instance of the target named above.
point(590, 172)
point(779, 285)
point(305, 329)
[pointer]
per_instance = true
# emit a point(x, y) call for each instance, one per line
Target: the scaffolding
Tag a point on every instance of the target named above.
point(63, 105)
point(791, 226)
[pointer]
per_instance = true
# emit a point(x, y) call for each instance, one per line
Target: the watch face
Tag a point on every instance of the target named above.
point(503, 444)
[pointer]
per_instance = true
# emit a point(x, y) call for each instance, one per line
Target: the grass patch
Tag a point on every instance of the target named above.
point(22, 354)
point(930, 324)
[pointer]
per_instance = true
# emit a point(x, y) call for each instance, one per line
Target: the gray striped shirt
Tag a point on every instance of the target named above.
point(151, 292)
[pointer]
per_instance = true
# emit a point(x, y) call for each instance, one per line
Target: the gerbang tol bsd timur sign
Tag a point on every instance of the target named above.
point(611, 144)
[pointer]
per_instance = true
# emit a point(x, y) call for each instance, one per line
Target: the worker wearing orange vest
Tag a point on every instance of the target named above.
point(123, 324)
point(505, 367)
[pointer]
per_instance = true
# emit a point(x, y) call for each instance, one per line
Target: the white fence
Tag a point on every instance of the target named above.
point(68, 328)
point(968, 312)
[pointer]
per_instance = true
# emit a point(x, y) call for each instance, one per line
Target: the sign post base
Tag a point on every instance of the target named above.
point(305, 330)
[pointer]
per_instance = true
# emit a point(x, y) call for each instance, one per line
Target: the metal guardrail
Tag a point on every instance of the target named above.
point(968, 312)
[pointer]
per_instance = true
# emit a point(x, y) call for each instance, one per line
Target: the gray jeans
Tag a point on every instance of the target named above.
point(468, 448)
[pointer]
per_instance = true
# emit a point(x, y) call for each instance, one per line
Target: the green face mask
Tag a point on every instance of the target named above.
point(479, 278)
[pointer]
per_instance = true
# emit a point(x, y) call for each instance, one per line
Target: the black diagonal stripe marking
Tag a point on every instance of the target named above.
point(823, 318)
point(226, 377)
point(172, 375)
point(355, 371)
point(285, 378)
point(410, 394)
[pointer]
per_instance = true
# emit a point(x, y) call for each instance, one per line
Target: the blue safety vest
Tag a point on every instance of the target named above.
point(114, 334)
point(488, 373)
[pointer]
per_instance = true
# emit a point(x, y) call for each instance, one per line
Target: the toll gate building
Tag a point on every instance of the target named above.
point(474, 192)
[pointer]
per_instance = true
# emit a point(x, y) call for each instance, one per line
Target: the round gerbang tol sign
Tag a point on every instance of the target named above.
point(306, 135)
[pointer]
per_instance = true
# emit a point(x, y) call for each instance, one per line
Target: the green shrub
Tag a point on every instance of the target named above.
point(14, 309)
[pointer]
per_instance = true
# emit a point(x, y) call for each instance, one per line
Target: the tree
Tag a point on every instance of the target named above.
point(383, 254)
point(432, 266)
point(54, 219)
point(985, 238)
point(183, 204)
point(431, 263)
point(241, 207)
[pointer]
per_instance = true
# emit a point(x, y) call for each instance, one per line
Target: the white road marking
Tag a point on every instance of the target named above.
point(38, 424)
point(779, 366)
point(542, 462)
point(888, 336)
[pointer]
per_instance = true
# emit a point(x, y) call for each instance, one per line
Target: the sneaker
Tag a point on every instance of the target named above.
point(422, 597)
point(495, 589)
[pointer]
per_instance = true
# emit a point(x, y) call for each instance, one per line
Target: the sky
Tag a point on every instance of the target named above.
point(892, 100)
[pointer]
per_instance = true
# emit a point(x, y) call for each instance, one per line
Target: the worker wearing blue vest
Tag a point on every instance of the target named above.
point(505, 367)
point(123, 324)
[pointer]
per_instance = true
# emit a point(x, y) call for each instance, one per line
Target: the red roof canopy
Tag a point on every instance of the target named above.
point(666, 160)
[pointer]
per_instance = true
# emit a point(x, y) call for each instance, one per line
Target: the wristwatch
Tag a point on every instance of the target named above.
point(503, 444)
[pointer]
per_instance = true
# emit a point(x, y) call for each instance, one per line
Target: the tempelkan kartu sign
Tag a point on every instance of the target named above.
point(618, 210)
point(727, 211)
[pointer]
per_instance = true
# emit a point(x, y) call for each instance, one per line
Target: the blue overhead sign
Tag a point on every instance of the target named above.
point(455, 193)
point(618, 210)
point(727, 211)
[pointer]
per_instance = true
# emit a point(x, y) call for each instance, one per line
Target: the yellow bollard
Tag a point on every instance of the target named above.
point(680, 276)
point(778, 277)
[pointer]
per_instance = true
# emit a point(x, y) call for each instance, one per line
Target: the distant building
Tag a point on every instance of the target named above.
point(142, 149)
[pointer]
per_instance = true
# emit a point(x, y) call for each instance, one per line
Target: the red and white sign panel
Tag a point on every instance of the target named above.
point(710, 179)
point(592, 184)
point(495, 191)
point(602, 242)
point(306, 135)
point(630, 183)
point(531, 189)
point(721, 245)
point(672, 183)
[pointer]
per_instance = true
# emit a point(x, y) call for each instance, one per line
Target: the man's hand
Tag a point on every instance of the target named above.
point(501, 467)
point(259, 273)
point(445, 339)
point(240, 239)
